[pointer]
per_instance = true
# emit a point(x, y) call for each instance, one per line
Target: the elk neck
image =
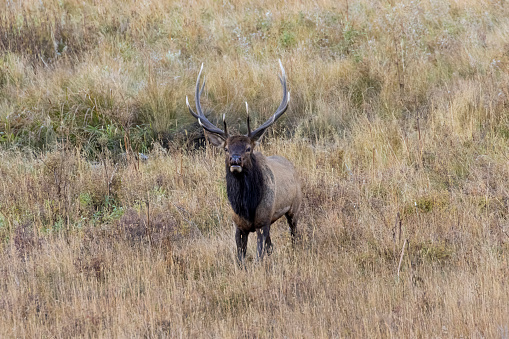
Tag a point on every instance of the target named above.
point(245, 189)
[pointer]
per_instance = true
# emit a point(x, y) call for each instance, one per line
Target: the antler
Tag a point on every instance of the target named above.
point(202, 120)
point(257, 133)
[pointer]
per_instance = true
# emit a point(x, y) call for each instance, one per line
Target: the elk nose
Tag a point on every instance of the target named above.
point(235, 160)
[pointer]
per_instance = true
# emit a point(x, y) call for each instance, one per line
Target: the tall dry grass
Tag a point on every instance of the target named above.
point(397, 125)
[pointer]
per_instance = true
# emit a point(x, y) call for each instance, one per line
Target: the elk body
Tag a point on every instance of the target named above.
point(260, 189)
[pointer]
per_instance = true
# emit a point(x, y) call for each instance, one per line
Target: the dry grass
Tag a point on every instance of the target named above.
point(398, 125)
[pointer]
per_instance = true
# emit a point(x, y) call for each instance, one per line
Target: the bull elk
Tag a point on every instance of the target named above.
point(260, 189)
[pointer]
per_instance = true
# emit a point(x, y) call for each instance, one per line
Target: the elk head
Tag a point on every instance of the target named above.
point(238, 148)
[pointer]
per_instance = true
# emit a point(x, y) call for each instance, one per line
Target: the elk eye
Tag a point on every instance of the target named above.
point(226, 149)
point(248, 149)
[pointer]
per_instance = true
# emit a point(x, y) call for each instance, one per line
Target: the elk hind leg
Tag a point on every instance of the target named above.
point(292, 222)
point(268, 245)
point(263, 235)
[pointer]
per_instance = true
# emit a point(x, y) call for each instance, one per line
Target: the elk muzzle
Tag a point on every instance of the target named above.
point(235, 163)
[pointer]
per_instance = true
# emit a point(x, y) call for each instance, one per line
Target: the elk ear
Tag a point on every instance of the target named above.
point(215, 139)
point(254, 143)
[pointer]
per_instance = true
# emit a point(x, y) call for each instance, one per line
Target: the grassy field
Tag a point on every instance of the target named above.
point(398, 126)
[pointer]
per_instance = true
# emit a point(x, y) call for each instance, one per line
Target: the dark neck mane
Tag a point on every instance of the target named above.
point(245, 190)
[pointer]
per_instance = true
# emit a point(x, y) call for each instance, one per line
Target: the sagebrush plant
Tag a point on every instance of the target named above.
point(398, 125)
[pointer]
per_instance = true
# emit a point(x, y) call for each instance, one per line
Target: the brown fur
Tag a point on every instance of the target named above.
point(280, 195)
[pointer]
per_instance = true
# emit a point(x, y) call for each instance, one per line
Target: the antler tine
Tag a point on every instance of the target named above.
point(198, 92)
point(257, 133)
point(248, 120)
point(224, 123)
point(202, 120)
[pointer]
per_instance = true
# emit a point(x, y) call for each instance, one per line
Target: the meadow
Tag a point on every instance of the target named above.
point(398, 125)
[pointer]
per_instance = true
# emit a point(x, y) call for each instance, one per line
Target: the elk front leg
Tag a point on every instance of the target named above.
point(263, 234)
point(241, 239)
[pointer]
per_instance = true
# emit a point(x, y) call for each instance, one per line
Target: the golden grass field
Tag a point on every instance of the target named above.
point(398, 126)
